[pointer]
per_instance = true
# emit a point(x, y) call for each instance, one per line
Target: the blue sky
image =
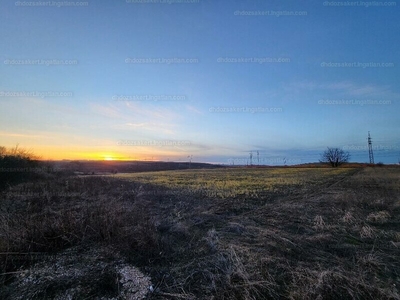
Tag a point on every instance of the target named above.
point(283, 102)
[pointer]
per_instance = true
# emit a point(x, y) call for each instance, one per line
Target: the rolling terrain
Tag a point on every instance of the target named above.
point(226, 233)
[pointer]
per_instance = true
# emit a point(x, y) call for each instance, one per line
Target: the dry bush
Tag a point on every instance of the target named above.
point(224, 275)
point(367, 232)
point(396, 236)
point(334, 284)
point(379, 217)
point(319, 223)
point(99, 212)
point(212, 240)
point(235, 228)
point(371, 260)
point(348, 218)
point(80, 272)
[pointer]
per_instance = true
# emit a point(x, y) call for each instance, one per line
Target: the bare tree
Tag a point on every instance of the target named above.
point(335, 157)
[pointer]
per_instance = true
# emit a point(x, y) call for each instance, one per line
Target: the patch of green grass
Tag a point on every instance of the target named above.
point(233, 182)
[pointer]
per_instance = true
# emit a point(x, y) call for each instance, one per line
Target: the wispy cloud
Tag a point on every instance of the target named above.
point(152, 111)
point(343, 88)
point(136, 125)
point(109, 111)
point(193, 109)
point(141, 117)
point(162, 128)
point(39, 106)
point(359, 90)
point(22, 135)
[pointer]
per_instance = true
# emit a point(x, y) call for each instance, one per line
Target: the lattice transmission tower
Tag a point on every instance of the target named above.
point(371, 153)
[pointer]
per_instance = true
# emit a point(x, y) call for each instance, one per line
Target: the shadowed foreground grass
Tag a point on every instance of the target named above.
point(215, 234)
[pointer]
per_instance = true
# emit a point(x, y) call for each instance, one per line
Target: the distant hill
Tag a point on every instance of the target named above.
point(315, 165)
point(109, 167)
point(105, 167)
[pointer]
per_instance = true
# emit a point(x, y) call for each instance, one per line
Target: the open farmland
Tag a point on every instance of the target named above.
point(234, 233)
point(237, 182)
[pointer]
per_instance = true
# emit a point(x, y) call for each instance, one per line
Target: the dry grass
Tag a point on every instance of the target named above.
point(236, 182)
point(230, 234)
point(380, 217)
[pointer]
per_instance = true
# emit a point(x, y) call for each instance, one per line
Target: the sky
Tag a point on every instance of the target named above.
point(202, 80)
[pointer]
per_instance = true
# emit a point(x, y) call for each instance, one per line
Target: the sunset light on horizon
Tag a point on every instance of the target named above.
point(199, 149)
point(214, 81)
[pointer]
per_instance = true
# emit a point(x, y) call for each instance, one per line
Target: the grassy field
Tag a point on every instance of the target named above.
point(235, 233)
point(236, 182)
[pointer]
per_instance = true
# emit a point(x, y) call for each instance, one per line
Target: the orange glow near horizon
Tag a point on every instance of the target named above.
point(103, 156)
point(88, 156)
point(98, 154)
point(61, 154)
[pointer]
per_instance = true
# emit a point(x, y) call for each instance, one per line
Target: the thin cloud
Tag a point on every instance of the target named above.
point(343, 88)
point(106, 111)
point(135, 125)
point(163, 128)
point(359, 90)
point(152, 112)
point(193, 109)
point(10, 134)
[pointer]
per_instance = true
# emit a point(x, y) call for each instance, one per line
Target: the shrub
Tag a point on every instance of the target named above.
point(16, 165)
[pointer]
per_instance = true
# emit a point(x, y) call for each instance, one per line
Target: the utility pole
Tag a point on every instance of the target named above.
point(190, 161)
point(370, 152)
point(258, 158)
point(251, 158)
